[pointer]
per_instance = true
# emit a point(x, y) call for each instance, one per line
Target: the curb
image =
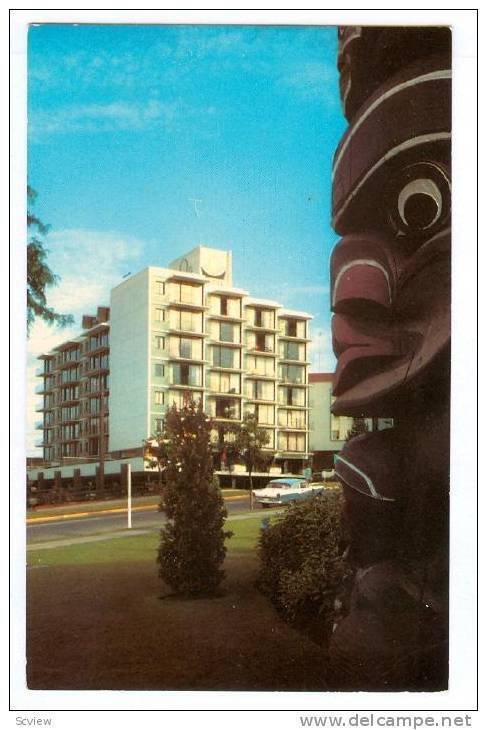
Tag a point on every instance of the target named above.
point(101, 512)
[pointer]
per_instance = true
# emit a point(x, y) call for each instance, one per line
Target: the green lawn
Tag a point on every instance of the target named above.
point(138, 547)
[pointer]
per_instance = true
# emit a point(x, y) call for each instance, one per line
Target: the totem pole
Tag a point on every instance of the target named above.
point(390, 295)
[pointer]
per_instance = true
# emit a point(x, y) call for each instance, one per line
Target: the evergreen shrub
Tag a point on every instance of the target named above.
point(192, 548)
point(301, 563)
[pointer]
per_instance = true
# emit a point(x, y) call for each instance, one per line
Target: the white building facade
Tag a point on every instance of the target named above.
point(173, 333)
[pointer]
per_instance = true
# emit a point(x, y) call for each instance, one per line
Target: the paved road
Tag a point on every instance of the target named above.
point(149, 519)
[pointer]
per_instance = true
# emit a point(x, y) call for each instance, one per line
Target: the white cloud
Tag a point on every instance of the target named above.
point(90, 264)
point(117, 115)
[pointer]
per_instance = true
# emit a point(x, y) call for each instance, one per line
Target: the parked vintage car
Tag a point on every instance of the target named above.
point(287, 491)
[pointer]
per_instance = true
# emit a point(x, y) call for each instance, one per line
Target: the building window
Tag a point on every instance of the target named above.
point(180, 398)
point(292, 374)
point(292, 419)
point(224, 382)
point(292, 351)
point(229, 306)
point(265, 414)
point(186, 374)
point(159, 369)
point(261, 317)
point(187, 293)
point(260, 390)
point(226, 408)
point(292, 442)
point(260, 365)
point(224, 357)
point(227, 332)
point(184, 320)
point(160, 288)
point(159, 342)
point(159, 425)
point(185, 348)
point(291, 328)
point(159, 397)
point(159, 314)
point(292, 396)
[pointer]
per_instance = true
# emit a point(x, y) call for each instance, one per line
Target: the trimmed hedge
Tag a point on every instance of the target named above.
point(301, 561)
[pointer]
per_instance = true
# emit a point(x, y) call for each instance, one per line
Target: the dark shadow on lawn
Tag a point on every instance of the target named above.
point(103, 626)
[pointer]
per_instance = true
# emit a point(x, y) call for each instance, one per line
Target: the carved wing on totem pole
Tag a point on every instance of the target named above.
point(390, 297)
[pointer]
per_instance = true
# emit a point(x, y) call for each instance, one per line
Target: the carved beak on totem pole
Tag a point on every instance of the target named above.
point(390, 273)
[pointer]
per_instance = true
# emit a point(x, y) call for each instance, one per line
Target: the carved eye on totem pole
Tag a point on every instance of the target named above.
point(421, 200)
point(390, 272)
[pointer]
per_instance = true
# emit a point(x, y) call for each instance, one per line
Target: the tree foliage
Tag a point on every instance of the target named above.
point(192, 547)
point(250, 440)
point(39, 275)
point(155, 451)
point(301, 562)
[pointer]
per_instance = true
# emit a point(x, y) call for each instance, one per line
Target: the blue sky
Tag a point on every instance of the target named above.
point(128, 124)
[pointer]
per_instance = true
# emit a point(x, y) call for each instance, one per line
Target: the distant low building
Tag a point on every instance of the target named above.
point(327, 432)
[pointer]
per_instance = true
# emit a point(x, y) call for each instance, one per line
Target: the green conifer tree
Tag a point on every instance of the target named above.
point(192, 549)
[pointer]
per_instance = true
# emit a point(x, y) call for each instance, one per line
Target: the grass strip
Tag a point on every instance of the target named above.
point(139, 547)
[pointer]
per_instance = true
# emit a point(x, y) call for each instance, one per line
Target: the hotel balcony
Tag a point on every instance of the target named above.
point(293, 361)
point(266, 351)
point(261, 328)
point(185, 333)
point(225, 343)
point(43, 388)
point(281, 454)
point(291, 406)
point(293, 383)
point(223, 369)
point(193, 306)
point(288, 427)
point(96, 349)
point(95, 371)
point(185, 386)
point(224, 409)
point(69, 363)
point(226, 317)
point(259, 376)
point(261, 401)
point(67, 383)
point(223, 394)
point(174, 357)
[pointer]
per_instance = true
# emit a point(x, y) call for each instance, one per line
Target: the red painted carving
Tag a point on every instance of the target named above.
point(390, 294)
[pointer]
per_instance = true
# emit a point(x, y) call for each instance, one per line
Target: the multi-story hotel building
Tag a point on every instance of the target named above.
point(170, 332)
